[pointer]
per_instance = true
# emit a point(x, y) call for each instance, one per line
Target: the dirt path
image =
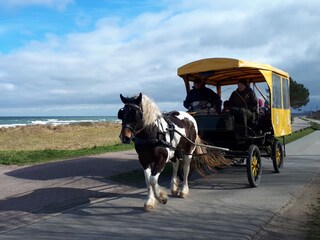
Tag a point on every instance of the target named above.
point(291, 221)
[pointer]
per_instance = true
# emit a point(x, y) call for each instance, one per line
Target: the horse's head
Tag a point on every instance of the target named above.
point(131, 116)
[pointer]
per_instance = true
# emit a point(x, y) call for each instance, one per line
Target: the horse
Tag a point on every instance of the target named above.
point(159, 138)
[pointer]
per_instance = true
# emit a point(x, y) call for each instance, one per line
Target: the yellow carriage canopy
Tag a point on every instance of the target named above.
point(228, 71)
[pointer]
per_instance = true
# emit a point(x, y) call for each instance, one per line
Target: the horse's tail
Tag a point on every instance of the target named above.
point(205, 161)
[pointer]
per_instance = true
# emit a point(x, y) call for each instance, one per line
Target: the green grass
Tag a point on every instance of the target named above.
point(315, 126)
point(303, 132)
point(298, 134)
point(14, 157)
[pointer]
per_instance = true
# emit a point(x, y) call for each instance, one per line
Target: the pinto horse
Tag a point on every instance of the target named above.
point(159, 138)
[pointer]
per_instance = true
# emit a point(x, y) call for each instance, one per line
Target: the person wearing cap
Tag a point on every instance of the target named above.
point(243, 103)
point(201, 97)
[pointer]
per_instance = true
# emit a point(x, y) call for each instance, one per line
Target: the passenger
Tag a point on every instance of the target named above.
point(266, 108)
point(243, 103)
point(226, 106)
point(265, 117)
point(201, 97)
point(260, 104)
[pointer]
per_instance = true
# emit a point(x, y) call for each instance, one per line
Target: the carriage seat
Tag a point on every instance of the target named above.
point(215, 122)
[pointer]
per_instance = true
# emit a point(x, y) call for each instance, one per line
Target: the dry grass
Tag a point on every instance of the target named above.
point(73, 136)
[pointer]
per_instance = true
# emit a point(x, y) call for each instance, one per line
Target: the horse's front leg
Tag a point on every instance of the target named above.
point(186, 169)
point(174, 179)
point(159, 193)
point(151, 200)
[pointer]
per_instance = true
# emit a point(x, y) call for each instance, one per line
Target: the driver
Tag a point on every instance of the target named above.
point(201, 97)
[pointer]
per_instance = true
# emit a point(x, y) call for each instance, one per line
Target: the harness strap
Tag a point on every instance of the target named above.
point(152, 142)
point(160, 140)
point(170, 125)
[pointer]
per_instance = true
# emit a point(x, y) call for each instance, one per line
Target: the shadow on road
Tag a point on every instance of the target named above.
point(91, 166)
point(56, 200)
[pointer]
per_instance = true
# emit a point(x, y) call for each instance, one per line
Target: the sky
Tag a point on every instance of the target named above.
point(75, 57)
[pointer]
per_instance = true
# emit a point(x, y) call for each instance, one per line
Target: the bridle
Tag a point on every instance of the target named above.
point(138, 118)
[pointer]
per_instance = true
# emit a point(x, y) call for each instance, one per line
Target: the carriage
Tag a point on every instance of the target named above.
point(263, 137)
point(183, 138)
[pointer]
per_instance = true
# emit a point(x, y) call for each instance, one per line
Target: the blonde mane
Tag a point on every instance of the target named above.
point(150, 111)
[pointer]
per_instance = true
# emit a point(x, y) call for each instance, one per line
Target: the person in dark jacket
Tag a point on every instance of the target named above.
point(201, 97)
point(243, 103)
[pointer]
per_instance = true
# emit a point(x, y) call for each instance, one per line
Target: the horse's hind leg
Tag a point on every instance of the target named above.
point(186, 169)
point(174, 179)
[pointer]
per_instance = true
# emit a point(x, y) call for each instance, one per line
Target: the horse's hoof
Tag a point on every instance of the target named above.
point(164, 201)
point(183, 195)
point(148, 207)
point(174, 192)
point(163, 197)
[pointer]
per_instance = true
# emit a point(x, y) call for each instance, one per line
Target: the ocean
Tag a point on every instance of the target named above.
point(25, 121)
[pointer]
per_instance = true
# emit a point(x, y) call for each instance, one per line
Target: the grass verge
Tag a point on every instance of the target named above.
point(9, 157)
point(298, 134)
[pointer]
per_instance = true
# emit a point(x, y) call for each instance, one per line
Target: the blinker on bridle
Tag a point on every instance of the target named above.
point(138, 116)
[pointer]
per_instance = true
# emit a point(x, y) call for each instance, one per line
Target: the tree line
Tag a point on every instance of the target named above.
point(299, 95)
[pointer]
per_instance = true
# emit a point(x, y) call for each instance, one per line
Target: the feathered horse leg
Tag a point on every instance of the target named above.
point(175, 179)
point(155, 192)
point(151, 200)
point(186, 170)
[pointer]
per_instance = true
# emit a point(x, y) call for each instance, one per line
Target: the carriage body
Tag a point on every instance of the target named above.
point(220, 129)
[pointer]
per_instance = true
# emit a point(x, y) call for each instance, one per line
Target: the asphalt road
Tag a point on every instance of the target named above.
point(222, 206)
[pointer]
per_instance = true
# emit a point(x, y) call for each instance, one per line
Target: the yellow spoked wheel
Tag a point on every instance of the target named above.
point(253, 165)
point(277, 156)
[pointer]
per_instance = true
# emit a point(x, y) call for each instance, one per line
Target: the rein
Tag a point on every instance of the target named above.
point(198, 144)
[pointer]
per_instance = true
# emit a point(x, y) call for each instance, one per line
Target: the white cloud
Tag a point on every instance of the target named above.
point(143, 54)
point(6, 87)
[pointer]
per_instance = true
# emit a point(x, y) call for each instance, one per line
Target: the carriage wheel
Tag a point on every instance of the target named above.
point(253, 165)
point(277, 156)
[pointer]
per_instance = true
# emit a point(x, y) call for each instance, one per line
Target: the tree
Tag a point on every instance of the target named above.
point(299, 95)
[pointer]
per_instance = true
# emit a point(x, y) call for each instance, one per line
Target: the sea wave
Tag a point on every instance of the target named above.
point(6, 122)
point(11, 125)
point(59, 122)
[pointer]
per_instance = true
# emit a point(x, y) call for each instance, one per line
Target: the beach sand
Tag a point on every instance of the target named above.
point(72, 136)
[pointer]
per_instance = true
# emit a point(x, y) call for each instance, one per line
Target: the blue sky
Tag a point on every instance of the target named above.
point(74, 57)
point(25, 21)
